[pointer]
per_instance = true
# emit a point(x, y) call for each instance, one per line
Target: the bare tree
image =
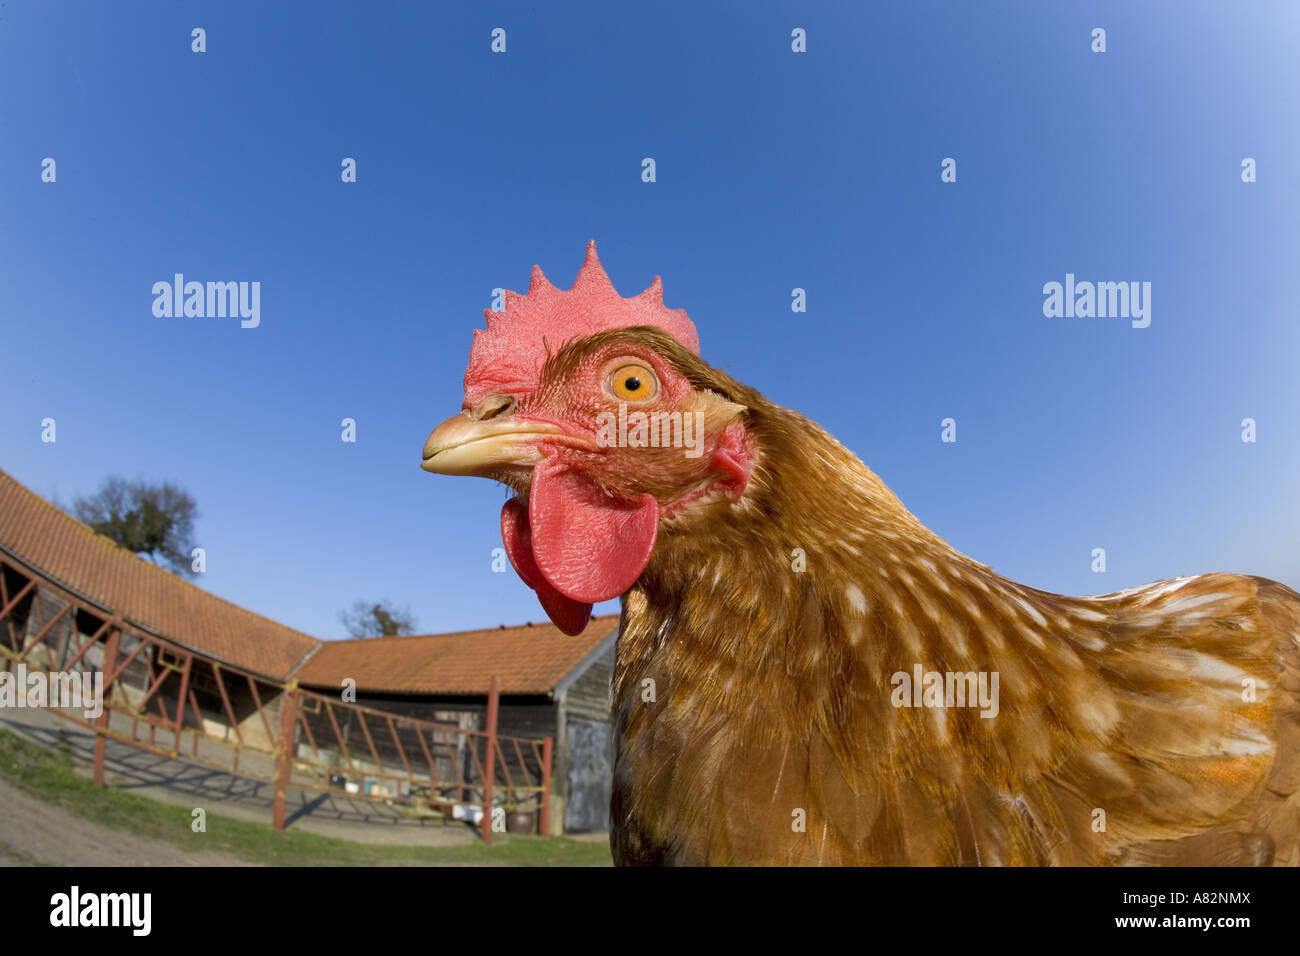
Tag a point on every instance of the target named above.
point(152, 519)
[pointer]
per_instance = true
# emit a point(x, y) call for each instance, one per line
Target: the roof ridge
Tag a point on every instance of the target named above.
point(471, 630)
point(150, 615)
point(102, 539)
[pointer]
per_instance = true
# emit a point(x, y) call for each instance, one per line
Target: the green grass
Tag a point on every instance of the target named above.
point(51, 777)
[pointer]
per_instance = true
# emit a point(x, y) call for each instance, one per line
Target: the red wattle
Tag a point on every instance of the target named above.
point(589, 546)
point(568, 615)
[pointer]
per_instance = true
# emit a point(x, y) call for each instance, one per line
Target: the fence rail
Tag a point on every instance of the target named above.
point(247, 724)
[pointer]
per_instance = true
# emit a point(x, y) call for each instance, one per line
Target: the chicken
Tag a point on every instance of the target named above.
point(805, 674)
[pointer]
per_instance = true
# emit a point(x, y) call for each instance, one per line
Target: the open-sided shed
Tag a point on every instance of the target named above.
point(184, 661)
point(552, 685)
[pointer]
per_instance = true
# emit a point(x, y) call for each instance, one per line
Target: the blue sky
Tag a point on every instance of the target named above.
point(775, 170)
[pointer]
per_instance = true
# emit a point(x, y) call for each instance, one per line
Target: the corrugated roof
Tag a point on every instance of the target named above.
point(530, 659)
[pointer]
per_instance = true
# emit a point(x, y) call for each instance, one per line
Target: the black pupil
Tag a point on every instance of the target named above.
point(631, 383)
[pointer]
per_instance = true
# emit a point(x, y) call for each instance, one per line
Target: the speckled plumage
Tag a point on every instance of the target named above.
point(772, 692)
point(774, 589)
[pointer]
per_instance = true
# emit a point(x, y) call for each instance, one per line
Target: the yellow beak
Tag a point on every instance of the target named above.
point(464, 446)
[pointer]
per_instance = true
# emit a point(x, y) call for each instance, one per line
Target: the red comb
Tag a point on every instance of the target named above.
point(508, 356)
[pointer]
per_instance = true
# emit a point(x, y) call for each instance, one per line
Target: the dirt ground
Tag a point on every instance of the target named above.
point(184, 783)
point(35, 834)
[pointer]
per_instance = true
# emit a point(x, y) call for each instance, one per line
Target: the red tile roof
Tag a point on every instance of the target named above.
point(531, 659)
point(94, 566)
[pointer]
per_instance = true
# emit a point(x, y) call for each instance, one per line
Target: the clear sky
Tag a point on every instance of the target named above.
point(775, 170)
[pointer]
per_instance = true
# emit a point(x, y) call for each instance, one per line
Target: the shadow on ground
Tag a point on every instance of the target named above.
point(183, 782)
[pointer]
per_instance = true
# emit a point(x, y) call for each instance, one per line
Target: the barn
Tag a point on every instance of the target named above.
point(551, 685)
point(182, 661)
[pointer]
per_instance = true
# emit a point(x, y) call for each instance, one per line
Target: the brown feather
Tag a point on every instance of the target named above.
point(772, 688)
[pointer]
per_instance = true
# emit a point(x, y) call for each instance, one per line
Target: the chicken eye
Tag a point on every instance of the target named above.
point(633, 383)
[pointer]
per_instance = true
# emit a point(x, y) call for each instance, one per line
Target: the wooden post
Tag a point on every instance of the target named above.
point(180, 706)
point(284, 753)
point(101, 725)
point(545, 826)
point(490, 761)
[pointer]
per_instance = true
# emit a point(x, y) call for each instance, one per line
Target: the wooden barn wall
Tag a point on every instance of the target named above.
point(136, 674)
point(135, 679)
point(579, 721)
point(589, 774)
point(589, 695)
point(584, 752)
point(517, 716)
